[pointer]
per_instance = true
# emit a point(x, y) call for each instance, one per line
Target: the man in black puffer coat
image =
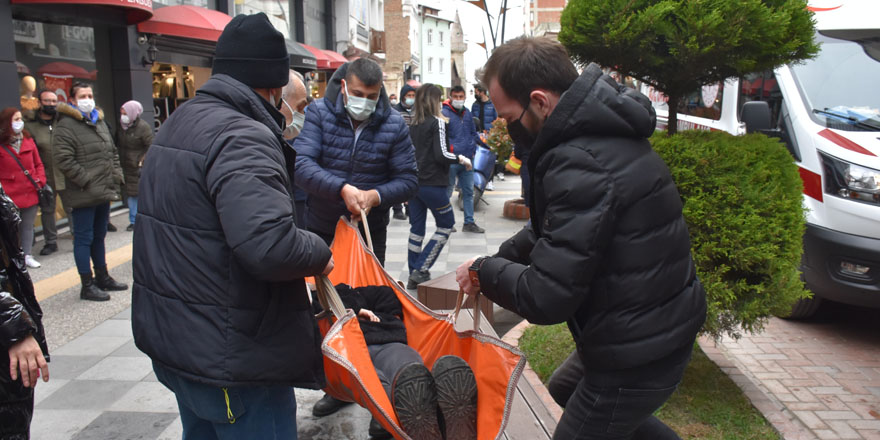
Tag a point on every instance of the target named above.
point(607, 249)
point(219, 301)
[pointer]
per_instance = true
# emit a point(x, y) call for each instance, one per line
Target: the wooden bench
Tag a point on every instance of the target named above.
point(442, 292)
point(529, 419)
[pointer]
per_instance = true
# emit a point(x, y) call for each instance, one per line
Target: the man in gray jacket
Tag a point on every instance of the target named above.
point(219, 301)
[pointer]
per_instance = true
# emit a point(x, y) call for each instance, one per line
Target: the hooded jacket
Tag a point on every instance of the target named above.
point(85, 155)
point(328, 157)
point(219, 295)
point(462, 133)
point(402, 109)
point(607, 249)
point(133, 144)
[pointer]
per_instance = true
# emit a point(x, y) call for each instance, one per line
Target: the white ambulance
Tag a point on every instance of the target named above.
point(827, 112)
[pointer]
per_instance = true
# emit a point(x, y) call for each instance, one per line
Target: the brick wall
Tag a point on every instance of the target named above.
point(397, 45)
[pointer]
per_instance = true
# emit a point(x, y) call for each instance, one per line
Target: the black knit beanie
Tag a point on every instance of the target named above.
point(252, 51)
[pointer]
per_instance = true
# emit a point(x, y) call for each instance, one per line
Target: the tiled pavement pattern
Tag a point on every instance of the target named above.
point(811, 379)
point(103, 388)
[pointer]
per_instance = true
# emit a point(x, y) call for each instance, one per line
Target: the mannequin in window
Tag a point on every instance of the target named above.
point(28, 100)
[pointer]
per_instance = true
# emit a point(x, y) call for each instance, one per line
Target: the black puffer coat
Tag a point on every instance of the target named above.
point(219, 295)
point(20, 314)
point(608, 250)
point(431, 140)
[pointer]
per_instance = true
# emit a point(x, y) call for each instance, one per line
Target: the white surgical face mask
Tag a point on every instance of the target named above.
point(125, 119)
point(296, 123)
point(394, 102)
point(410, 101)
point(17, 126)
point(359, 108)
point(458, 104)
point(85, 105)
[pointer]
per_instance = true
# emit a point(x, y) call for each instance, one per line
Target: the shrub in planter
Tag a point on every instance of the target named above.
point(743, 207)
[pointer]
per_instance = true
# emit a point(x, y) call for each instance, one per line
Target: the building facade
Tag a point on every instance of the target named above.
point(458, 69)
point(543, 17)
point(403, 44)
point(436, 47)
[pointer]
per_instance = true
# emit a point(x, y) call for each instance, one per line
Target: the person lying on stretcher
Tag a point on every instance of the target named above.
point(431, 405)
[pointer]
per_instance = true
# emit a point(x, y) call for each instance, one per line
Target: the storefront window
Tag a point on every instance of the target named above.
point(316, 23)
point(52, 56)
point(174, 84)
point(278, 11)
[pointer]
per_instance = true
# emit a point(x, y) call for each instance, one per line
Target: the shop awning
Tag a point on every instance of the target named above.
point(336, 59)
point(186, 21)
point(136, 11)
point(322, 61)
point(300, 57)
point(62, 68)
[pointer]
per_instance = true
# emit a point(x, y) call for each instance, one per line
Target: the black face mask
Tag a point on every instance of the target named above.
point(519, 133)
point(48, 109)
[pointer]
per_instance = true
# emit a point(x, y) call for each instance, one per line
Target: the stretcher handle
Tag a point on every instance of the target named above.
point(367, 229)
point(329, 297)
point(460, 302)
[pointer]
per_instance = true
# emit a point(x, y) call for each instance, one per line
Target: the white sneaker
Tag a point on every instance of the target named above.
point(490, 186)
point(33, 264)
point(501, 176)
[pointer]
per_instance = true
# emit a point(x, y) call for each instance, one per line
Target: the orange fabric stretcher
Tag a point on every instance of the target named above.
point(350, 372)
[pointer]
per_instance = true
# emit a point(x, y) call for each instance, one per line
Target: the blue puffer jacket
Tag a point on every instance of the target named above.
point(462, 133)
point(327, 158)
point(487, 116)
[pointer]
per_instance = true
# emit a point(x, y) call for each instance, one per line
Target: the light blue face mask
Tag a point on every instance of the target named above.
point(359, 108)
point(296, 124)
point(410, 101)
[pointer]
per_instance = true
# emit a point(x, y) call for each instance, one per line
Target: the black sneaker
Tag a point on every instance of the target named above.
point(49, 249)
point(328, 405)
point(417, 277)
point(130, 227)
point(415, 402)
point(472, 227)
point(456, 397)
point(399, 215)
point(111, 227)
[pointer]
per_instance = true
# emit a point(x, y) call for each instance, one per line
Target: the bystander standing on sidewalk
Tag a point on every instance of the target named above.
point(294, 99)
point(464, 138)
point(133, 139)
point(220, 302)
point(607, 249)
point(85, 155)
point(21, 173)
point(40, 123)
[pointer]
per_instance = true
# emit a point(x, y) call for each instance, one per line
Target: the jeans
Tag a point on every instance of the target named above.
point(466, 183)
point(435, 199)
point(252, 412)
point(593, 411)
point(28, 215)
point(47, 219)
point(378, 220)
point(89, 230)
point(132, 208)
point(390, 358)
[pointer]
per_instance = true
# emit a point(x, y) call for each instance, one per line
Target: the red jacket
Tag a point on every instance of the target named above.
point(14, 182)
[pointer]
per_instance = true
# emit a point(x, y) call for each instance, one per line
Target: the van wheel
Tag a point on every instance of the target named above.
point(805, 308)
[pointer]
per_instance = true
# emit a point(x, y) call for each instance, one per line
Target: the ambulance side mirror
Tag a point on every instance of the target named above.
point(756, 116)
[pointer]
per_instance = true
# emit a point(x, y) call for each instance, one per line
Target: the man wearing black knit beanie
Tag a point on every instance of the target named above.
point(219, 301)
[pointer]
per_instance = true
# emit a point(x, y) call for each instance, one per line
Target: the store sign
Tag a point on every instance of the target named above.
point(137, 10)
point(29, 32)
point(79, 34)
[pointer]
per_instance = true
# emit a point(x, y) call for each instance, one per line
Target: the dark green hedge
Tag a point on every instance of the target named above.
point(743, 206)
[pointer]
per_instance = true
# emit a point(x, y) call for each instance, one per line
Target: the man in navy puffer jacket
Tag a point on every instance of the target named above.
point(354, 153)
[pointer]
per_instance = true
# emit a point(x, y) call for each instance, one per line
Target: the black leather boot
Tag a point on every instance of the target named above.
point(106, 282)
point(90, 291)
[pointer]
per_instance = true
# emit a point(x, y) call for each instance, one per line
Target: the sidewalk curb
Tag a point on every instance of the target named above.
point(512, 337)
point(783, 421)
